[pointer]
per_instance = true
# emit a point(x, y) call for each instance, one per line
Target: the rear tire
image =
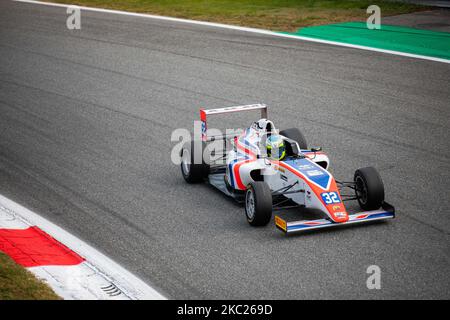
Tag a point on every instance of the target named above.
point(258, 204)
point(369, 188)
point(192, 172)
point(296, 135)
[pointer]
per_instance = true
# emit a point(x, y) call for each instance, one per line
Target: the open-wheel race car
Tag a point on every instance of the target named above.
point(274, 171)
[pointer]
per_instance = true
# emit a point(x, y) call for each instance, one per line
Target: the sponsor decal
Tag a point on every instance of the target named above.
point(203, 128)
point(277, 167)
point(305, 167)
point(340, 214)
point(314, 173)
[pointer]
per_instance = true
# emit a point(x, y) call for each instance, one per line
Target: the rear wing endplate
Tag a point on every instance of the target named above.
point(205, 113)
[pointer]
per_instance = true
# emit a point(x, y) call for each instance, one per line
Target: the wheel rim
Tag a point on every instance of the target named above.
point(185, 166)
point(361, 190)
point(250, 205)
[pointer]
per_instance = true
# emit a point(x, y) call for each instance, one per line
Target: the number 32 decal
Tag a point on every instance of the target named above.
point(330, 197)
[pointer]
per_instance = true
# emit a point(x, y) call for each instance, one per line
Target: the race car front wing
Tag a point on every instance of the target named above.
point(387, 212)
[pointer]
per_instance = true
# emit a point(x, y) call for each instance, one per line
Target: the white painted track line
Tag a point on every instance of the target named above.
point(238, 28)
point(129, 284)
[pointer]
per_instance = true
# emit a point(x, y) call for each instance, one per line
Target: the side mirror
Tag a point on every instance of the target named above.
point(316, 149)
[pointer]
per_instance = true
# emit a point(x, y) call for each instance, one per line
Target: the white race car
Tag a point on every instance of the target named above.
point(281, 177)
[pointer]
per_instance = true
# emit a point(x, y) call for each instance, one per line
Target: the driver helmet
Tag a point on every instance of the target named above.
point(276, 148)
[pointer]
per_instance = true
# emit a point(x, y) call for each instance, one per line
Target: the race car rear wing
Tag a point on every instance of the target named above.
point(386, 212)
point(205, 113)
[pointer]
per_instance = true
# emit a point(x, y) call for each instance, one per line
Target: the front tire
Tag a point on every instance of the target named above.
point(258, 204)
point(369, 188)
point(296, 135)
point(193, 172)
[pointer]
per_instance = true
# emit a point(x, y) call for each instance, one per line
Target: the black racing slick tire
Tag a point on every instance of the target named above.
point(258, 204)
point(369, 188)
point(193, 172)
point(296, 135)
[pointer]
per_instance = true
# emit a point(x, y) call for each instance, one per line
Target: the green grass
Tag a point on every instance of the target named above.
point(17, 283)
point(279, 15)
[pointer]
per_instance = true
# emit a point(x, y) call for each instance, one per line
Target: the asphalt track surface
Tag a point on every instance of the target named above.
point(85, 126)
